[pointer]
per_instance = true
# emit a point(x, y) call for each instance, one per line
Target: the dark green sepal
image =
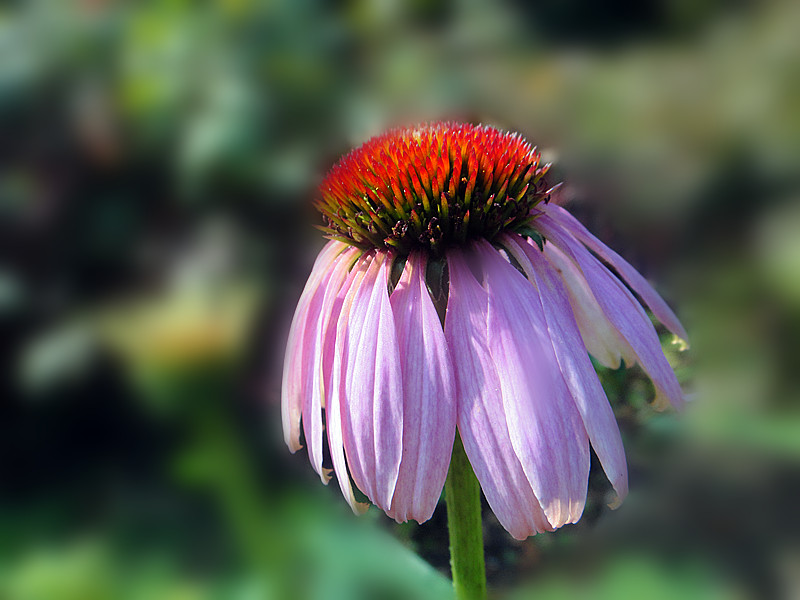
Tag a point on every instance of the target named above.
point(530, 232)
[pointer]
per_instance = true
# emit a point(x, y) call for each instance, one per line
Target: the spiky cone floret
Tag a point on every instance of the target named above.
point(455, 296)
point(432, 187)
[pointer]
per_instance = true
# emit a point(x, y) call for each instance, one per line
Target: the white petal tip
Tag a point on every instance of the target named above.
point(613, 362)
point(661, 403)
point(616, 502)
point(556, 518)
point(524, 535)
point(577, 513)
point(681, 343)
point(359, 508)
point(420, 519)
point(326, 475)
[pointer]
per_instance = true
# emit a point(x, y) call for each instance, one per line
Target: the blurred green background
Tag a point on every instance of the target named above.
point(157, 161)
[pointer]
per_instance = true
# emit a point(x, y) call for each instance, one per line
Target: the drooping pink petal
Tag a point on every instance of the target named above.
point(544, 425)
point(292, 386)
point(429, 407)
point(322, 333)
point(333, 404)
point(639, 284)
point(580, 376)
point(602, 340)
point(372, 405)
point(622, 310)
point(481, 416)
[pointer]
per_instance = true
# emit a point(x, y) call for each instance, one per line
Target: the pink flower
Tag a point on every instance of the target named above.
point(453, 295)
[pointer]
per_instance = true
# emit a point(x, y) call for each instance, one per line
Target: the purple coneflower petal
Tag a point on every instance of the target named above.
point(333, 406)
point(580, 376)
point(373, 398)
point(510, 369)
point(622, 310)
point(311, 407)
point(345, 337)
point(429, 408)
point(294, 384)
point(546, 430)
point(602, 340)
point(631, 276)
point(321, 329)
point(482, 422)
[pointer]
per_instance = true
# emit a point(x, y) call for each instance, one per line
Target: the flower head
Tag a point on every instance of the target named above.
point(454, 295)
point(432, 187)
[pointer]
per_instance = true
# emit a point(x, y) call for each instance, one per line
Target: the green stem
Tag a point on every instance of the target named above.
point(463, 496)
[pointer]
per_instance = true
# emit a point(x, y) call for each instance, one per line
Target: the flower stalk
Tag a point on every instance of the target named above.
point(463, 497)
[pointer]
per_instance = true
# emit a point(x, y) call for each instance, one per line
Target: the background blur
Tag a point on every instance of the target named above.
point(157, 160)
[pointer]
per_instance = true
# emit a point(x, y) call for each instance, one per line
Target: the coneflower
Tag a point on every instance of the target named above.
point(454, 298)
